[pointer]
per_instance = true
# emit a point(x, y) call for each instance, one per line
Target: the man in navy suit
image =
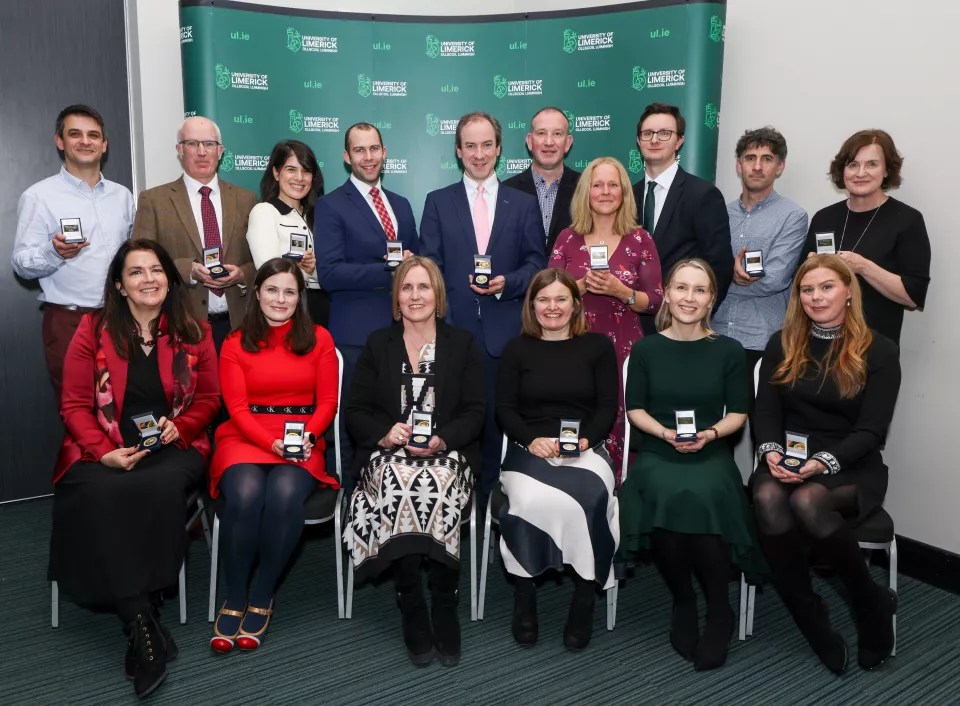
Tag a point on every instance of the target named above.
point(686, 215)
point(478, 215)
point(352, 225)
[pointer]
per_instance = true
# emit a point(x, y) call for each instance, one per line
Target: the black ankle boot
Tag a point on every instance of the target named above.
point(130, 662)
point(525, 627)
point(712, 647)
point(446, 626)
point(685, 628)
point(149, 653)
point(875, 629)
point(579, 627)
point(417, 635)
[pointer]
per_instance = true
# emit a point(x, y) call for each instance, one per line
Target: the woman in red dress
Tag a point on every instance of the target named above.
point(277, 367)
point(604, 214)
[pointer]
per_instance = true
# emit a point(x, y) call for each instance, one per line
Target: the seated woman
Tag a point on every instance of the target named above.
point(413, 487)
point(684, 499)
point(827, 377)
point(278, 367)
point(604, 214)
point(119, 501)
point(559, 510)
point(291, 185)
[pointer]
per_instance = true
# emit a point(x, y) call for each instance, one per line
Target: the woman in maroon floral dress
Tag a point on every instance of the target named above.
point(604, 214)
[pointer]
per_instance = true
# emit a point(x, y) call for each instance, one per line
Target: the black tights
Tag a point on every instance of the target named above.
point(264, 512)
point(678, 555)
point(407, 579)
point(817, 510)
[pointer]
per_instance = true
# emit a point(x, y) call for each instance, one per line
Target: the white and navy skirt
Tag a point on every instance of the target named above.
point(559, 511)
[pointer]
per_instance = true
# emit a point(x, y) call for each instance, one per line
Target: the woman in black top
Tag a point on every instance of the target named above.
point(828, 386)
point(553, 376)
point(882, 239)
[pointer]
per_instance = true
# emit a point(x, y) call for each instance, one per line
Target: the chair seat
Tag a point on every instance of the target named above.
point(876, 529)
point(320, 505)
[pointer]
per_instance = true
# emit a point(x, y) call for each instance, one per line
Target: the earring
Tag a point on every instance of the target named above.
point(848, 302)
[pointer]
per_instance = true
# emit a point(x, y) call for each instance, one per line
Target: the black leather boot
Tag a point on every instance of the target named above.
point(875, 629)
point(417, 633)
point(130, 662)
point(149, 653)
point(446, 626)
point(525, 626)
point(579, 627)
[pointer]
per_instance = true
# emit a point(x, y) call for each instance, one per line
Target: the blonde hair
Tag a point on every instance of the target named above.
point(845, 360)
point(544, 278)
point(664, 318)
point(436, 282)
point(626, 221)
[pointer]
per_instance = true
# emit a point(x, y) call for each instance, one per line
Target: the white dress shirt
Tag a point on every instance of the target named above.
point(215, 304)
point(364, 190)
point(664, 182)
point(490, 188)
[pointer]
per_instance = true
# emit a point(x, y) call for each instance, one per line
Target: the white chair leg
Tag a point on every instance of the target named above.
point(893, 584)
point(751, 604)
point(473, 557)
point(338, 550)
point(183, 593)
point(612, 605)
point(205, 522)
point(54, 605)
point(214, 556)
point(744, 591)
point(485, 561)
point(349, 609)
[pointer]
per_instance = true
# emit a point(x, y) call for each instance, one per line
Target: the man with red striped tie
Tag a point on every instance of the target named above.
point(352, 225)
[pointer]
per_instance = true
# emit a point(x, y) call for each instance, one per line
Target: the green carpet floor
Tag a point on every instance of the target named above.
point(310, 657)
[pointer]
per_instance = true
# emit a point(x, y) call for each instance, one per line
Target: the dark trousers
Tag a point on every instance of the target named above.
point(220, 328)
point(318, 304)
point(350, 355)
point(492, 440)
point(58, 328)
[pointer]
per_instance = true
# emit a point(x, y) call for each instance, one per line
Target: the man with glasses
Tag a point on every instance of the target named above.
point(69, 226)
point(198, 212)
point(686, 215)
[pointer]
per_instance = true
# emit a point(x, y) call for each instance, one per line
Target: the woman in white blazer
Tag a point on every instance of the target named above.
point(283, 219)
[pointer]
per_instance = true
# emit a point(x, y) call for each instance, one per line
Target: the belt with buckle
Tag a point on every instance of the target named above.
point(73, 307)
point(218, 317)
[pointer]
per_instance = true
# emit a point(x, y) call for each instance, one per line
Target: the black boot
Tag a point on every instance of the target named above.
point(445, 597)
point(672, 558)
point(149, 653)
point(417, 634)
point(525, 627)
point(712, 647)
point(130, 662)
point(786, 556)
point(875, 627)
point(579, 628)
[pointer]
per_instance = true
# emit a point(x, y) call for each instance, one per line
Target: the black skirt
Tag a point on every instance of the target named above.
point(318, 304)
point(119, 534)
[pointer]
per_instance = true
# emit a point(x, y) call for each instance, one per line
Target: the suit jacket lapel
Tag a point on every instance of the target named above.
point(670, 205)
point(440, 371)
point(181, 202)
point(118, 371)
point(462, 206)
point(228, 210)
point(165, 364)
point(356, 198)
point(396, 351)
point(500, 216)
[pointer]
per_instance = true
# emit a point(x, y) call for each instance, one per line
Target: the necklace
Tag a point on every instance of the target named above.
point(847, 217)
point(826, 334)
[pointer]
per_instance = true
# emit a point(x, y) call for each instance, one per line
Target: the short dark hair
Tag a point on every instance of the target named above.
point(79, 109)
point(360, 126)
point(270, 188)
point(856, 142)
point(663, 108)
point(254, 329)
point(763, 137)
point(476, 117)
point(544, 110)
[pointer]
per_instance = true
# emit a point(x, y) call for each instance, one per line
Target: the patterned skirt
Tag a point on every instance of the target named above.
point(559, 511)
point(406, 504)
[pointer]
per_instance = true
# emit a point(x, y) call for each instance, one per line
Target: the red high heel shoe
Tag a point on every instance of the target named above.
point(252, 640)
point(224, 643)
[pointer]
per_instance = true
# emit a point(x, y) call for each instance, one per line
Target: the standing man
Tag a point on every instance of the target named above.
point(686, 215)
point(549, 141)
point(478, 215)
point(761, 219)
point(199, 211)
point(352, 225)
point(81, 201)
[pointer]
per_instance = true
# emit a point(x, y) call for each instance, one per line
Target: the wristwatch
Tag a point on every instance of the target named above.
point(311, 438)
point(632, 299)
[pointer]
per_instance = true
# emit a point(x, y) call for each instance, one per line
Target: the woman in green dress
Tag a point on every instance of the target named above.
point(684, 499)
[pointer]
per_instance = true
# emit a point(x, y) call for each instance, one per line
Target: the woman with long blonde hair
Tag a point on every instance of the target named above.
point(828, 386)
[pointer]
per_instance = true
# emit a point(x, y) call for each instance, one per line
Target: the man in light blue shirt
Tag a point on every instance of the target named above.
point(69, 227)
point(760, 220)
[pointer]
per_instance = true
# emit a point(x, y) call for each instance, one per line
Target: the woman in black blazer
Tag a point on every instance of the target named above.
point(415, 412)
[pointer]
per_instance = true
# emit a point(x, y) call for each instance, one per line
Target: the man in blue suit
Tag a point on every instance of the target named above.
point(352, 225)
point(479, 215)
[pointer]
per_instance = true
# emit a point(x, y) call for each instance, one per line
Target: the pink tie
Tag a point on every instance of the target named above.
point(481, 222)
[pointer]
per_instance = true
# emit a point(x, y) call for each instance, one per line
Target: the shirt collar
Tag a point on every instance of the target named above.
point(75, 182)
point(490, 184)
point(539, 179)
point(666, 177)
point(282, 207)
point(193, 186)
point(771, 198)
point(365, 188)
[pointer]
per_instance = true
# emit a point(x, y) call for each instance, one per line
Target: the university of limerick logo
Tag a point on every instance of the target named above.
point(571, 118)
point(364, 85)
point(433, 125)
point(716, 28)
point(639, 78)
point(569, 41)
point(293, 39)
point(223, 77)
point(433, 46)
point(635, 163)
point(499, 86)
point(296, 121)
point(501, 167)
point(712, 118)
point(226, 161)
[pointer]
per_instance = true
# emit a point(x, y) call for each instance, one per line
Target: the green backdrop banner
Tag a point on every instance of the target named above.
point(268, 73)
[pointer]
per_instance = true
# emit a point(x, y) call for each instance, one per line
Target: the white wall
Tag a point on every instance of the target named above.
point(818, 70)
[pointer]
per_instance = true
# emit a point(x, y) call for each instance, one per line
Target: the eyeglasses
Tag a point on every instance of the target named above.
point(194, 145)
point(662, 135)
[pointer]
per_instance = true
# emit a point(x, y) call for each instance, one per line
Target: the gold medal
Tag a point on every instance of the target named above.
point(481, 279)
point(791, 462)
point(150, 441)
point(420, 439)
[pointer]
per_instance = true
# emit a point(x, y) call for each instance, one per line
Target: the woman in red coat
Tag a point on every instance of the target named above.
point(139, 389)
point(278, 367)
